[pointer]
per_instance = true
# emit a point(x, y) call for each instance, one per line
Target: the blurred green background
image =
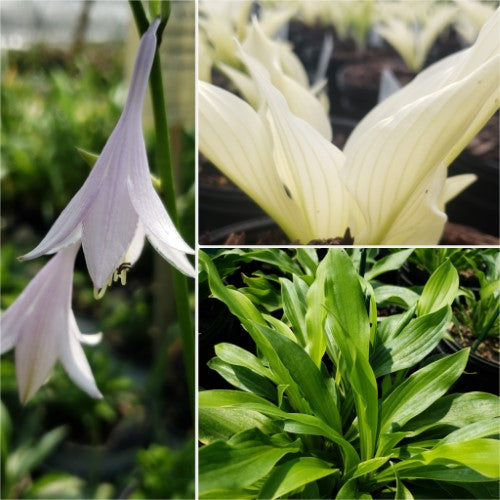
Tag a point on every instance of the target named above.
point(138, 441)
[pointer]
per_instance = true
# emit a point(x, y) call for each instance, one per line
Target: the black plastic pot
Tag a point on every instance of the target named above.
point(477, 206)
point(480, 374)
point(358, 84)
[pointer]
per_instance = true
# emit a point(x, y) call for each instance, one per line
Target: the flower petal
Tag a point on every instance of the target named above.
point(233, 137)
point(135, 249)
point(147, 203)
point(175, 257)
point(110, 223)
point(74, 361)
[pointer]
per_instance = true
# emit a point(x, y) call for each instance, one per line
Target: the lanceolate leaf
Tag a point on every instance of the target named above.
point(295, 474)
point(244, 379)
point(351, 331)
point(455, 411)
point(306, 375)
point(237, 356)
point(481, 455)
point(414, 342)
point(418, 392)
point(294, 306)
point(389, 263)
point(440, 289)
point(222, 423)
point(241, 461)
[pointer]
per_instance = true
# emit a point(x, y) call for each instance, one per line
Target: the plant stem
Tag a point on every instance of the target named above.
point(362, 263)
point(162, 150)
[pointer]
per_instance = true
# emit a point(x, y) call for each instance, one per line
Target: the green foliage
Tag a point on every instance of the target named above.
point(332, 402)
point(166, 473)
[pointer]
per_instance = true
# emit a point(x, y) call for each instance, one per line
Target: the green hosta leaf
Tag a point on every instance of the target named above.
point(217, 398)
point(390, 262)
point(237, 303)
point(298, 423)
point(222, 423)
point(366, 467)
point(350, 328)
point(441, 289)
point(241, 461)
point(275, 257)
point(484, 428)
point(293, 475)
point(243, 378)
point(481, 455)
point(237, 356)
point(414, 342)
point(306, 375)
point(455, 411)
point(308, 259)
point(315, 316)
point(392, 326)
point(397, 295)
point(345, 298)
point(418, 392)
point(293, 296)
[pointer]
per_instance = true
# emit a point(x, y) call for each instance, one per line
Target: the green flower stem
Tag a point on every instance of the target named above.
point(485, 331)
point(163, 161)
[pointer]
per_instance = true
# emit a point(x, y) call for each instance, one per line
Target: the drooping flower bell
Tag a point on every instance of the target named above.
point(117, 204)
point(41, 326)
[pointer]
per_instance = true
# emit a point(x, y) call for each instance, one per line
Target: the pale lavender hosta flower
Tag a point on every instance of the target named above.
point(118, 201)
point(41, 326)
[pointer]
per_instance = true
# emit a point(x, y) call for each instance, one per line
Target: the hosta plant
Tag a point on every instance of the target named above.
point(390, 183)
point(334, 402)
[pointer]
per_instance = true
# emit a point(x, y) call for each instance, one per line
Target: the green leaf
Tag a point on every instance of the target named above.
point(350, 328)
point(237, 303)
point(414, 342)
point(308, 259)
point(293, 296)
point(392, 326)
point(455, 411)
point(418, 392)
point(241, 461)
point(481, 455)
point(241, 357)
point(316, 314)
point(481, 429)
point(390, 262)
point(30, 455)
point(243, 378)
point(222, 423)
point(306, 375)
point(293, 475)
point(398, 295)
point(440, 290)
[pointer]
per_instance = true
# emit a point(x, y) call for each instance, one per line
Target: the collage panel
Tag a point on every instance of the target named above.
point(348, 373)
point(98, 232)
point(348, 122)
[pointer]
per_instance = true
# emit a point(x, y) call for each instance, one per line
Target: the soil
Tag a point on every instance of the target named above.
point(366, 75)
point(487, 349)
point(486, 142)
point(270, 234)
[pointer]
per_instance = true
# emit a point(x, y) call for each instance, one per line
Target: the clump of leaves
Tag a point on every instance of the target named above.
point(337, 403)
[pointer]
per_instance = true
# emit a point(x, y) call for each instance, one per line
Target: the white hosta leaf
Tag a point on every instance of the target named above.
point(233, 137)
point(308, 165)
point(403, 150)
point(300, 99)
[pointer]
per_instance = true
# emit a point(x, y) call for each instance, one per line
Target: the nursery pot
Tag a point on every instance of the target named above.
point(480, 374)
point(257, 231)
point(359, 83)
point(221, 202)
point(477, 206)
